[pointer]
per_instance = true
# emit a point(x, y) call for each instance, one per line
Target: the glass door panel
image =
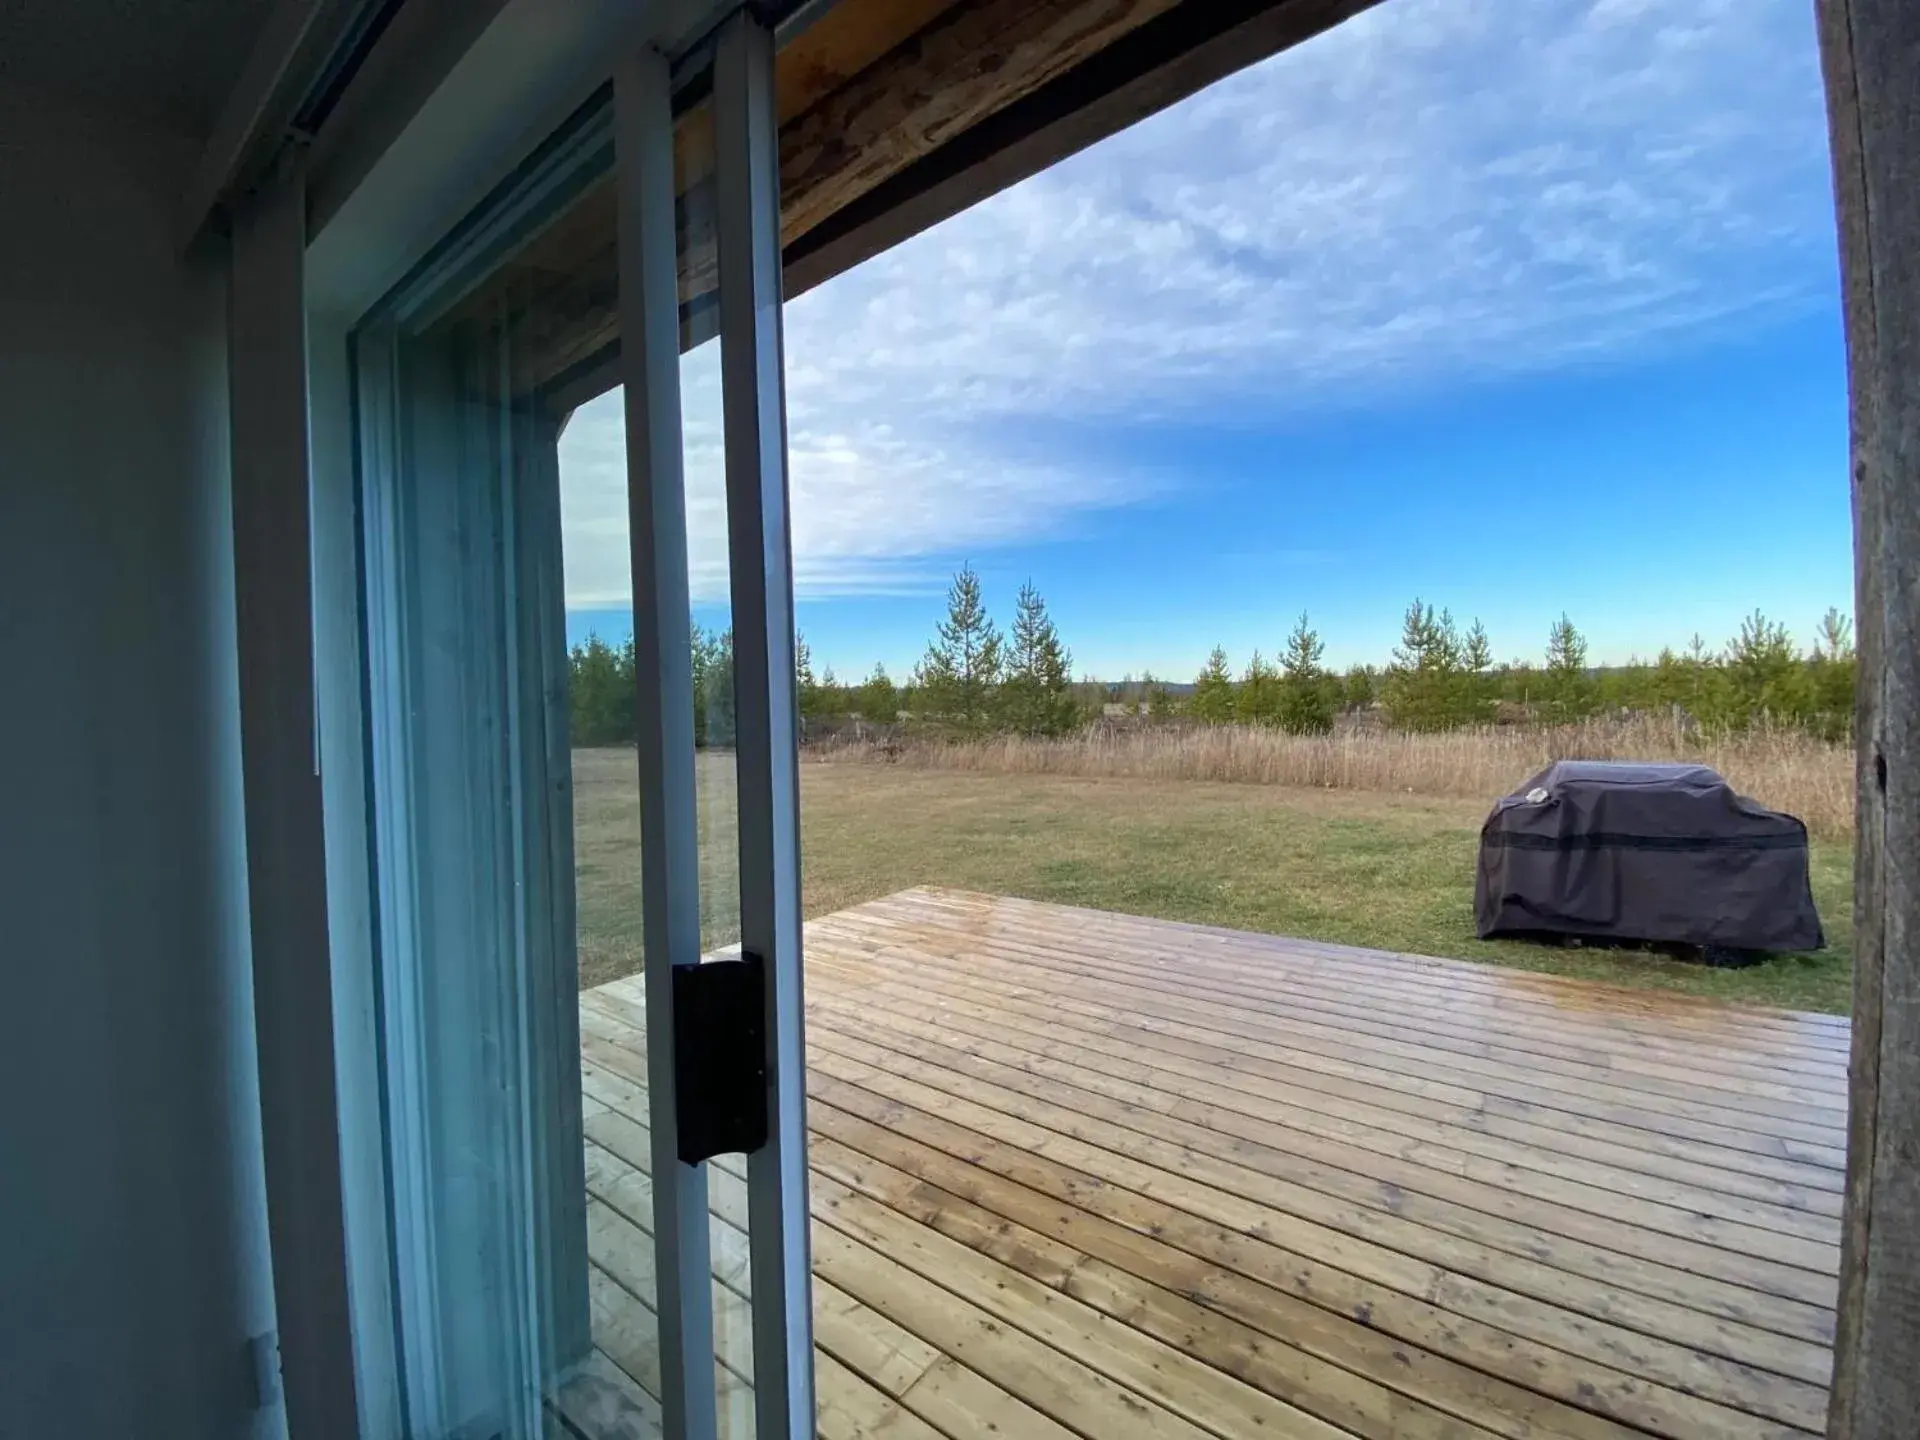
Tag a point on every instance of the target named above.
point(524, 1289)
point(578, 629)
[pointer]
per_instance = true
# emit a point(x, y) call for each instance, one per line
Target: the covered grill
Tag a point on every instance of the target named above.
point(1644, 853)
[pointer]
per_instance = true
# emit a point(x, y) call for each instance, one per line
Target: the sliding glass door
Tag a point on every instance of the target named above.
point(468, 741)
point(590, 1025)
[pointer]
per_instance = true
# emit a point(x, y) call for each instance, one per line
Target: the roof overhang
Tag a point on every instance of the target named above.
point(894, 114)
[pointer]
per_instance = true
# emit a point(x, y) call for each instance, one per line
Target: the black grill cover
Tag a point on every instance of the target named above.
point(1651, 853)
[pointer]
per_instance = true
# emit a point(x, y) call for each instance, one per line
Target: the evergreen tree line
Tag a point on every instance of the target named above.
point(1443, 677)
point(976, 680)
point(601, 696)
point(973, 680)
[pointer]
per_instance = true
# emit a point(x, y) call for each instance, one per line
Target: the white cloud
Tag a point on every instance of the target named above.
point(1437, 190)
point(870, 500)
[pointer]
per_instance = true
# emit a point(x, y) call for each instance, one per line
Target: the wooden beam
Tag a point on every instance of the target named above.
point(1174, 55)
point(942, 82)
point(1871, 53)
point(844, 45)
point(843, 42)
point(876, 112)
point(981, 95)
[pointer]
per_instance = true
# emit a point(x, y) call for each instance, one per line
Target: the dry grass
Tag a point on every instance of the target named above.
point(1355, 867)
point(1786, 769)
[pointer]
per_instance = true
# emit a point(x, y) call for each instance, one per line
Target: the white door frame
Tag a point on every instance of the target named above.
point(759, 530)
point(663, 673)
point(767, 736)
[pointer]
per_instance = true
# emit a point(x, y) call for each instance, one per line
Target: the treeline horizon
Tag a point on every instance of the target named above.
point(974, 680)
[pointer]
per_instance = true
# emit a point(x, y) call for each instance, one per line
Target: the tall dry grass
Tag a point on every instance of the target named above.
point(1786, 769)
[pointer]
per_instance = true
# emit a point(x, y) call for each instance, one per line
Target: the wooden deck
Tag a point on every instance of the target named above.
point(1083, 1174)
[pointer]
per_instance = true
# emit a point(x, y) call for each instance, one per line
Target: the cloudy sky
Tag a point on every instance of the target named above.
point(1518, 305)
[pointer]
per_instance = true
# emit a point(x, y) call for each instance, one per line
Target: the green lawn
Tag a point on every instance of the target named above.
point(1390, 871)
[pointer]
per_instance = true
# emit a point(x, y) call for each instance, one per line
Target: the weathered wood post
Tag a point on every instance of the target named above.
point(1871, 53)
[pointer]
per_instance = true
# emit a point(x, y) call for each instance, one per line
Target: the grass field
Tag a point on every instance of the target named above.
point(1360, 868)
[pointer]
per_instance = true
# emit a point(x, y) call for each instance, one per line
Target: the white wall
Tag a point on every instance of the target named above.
point(133, 1253)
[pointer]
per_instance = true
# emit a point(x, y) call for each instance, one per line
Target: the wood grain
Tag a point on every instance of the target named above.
point(1871, 55)
point(970, 62)
point(1084, 1174)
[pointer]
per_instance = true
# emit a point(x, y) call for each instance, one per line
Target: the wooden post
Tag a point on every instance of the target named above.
point(1871, 53)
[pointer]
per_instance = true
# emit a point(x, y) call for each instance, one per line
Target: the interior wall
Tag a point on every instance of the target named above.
point(133, 1251)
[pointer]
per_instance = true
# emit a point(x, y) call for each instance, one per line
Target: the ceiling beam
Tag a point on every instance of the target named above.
point(942, 82)
point(1154, 66)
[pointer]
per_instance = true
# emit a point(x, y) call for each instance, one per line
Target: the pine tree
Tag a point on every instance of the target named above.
point(1706, 697)
point(1835, 640)
point(1447, 642)
point(1212, 699)
point(1306, 708)
point(713, 687)
point(1831, 671)
point(1358, 692)
point(1569, 687)
point(959, 677)
point(1160, 705)
point(806, 687)
point(1763, 673)
point(1088, 698)
point(1257, 699)
point(1478, 652)
point(1474, 690)
point(1036, 698)
point(1421, 684)
point(1667, 685)
point(1618, 687)
point(600, 693)
point(878, 700)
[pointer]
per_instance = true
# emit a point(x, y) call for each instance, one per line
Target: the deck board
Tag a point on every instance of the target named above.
point(1081, 1174)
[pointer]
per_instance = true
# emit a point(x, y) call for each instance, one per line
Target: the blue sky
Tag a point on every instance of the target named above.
point(1517, 305)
